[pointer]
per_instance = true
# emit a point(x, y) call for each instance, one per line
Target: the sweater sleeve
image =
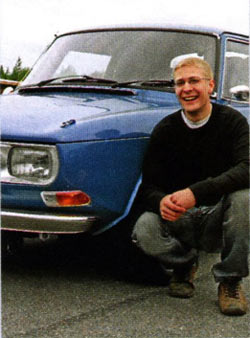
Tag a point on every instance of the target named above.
point(235, 178)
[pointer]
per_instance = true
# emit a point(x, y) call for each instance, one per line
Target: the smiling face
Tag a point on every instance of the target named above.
point(193, 89)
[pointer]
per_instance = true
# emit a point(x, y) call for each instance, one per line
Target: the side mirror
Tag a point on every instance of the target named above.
point(240, 92)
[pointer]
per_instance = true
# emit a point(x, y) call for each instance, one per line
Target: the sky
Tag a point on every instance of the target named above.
point(28, 26)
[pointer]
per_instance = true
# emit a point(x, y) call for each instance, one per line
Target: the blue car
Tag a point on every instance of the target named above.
point(74, 132)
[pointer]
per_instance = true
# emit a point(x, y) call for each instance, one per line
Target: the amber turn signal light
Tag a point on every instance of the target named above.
point(65, 198)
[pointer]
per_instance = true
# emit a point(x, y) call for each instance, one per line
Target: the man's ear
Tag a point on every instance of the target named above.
point(211, 85)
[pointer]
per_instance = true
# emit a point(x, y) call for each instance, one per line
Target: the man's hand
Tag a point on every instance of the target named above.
point(184, 198)
point(169, 210)
point(174, 205)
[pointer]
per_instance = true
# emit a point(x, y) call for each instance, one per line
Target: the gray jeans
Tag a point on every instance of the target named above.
point(223, 227)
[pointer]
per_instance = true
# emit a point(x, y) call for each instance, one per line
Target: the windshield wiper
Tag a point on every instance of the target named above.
point(77, 78)
point(152, 83)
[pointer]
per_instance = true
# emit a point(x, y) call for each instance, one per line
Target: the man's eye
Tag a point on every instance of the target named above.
point(194, 81)
point(179, 83)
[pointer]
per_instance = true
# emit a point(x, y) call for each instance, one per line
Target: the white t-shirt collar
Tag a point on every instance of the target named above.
point(192, 124)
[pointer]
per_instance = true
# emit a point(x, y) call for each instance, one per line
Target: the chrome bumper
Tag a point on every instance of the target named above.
point(45, 223)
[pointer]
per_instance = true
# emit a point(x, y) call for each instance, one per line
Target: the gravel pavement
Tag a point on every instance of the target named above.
point(92, 288)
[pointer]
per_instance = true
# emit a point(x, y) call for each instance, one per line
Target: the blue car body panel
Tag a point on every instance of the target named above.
point(96, 116)
point(107, 131)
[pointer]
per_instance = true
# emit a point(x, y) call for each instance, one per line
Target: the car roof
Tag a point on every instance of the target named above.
point(157, 26)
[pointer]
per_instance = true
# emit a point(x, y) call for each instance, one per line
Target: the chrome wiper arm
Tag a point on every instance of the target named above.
point(126, 83)
point(87, 78)
point(44, 82)
point(76, 78)
point(41, 83)
point(153, 83)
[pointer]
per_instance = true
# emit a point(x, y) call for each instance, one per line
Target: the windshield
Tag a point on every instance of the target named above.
point(121, 55)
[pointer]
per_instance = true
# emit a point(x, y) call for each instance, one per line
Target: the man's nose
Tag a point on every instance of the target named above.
point(187, 86)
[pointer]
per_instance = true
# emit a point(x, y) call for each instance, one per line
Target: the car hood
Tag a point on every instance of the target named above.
point(67, 117)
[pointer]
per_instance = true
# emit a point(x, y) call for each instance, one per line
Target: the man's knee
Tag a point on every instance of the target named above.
point(146, 232)
point(239, 200)
point(236, 212)
point(145, 226)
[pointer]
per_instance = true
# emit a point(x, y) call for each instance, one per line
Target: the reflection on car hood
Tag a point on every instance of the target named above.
point(55, 117)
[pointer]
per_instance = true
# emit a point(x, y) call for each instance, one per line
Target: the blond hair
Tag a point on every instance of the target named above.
point(196, 62)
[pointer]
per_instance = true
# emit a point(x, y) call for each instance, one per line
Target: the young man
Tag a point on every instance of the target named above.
point(195, 189)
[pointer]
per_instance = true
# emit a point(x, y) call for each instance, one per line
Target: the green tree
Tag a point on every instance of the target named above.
point(4, 74)
point(18, 72)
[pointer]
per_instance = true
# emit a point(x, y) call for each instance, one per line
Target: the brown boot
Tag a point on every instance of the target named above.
point(181, 284)
point(232, 301)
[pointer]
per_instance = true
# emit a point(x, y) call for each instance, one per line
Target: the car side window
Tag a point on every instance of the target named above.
point(236, 77)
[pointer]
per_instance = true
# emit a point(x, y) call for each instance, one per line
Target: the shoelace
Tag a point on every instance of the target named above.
point(232, 290)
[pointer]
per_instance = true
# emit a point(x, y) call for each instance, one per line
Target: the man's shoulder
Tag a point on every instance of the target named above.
point(227, 112)
point(228, 119)
point(172, 119)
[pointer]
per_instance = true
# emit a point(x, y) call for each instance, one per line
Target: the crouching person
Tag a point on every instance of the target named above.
point(195, 189)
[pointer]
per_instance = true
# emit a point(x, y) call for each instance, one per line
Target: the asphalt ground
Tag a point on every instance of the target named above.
point(98, 287)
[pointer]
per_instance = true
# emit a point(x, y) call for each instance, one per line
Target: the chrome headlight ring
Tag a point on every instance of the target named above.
point(28, 163)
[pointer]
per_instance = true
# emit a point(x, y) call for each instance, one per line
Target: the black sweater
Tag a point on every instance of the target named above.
point(212, 160)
